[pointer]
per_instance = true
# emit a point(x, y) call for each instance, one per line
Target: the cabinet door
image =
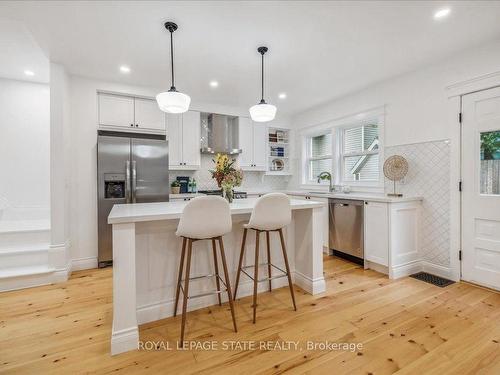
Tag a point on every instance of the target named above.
point(259, 146)
point(191, 139)
point(377, 233)
point(115, 110)
point(174, 135)
point(148, 115)
point(245, 133)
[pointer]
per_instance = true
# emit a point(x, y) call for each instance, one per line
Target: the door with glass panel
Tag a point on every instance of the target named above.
point(481, 188)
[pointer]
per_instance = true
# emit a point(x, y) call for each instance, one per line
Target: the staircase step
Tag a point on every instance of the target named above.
point(25, 271)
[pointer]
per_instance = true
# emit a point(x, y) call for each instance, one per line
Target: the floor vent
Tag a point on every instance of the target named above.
point(432, 279)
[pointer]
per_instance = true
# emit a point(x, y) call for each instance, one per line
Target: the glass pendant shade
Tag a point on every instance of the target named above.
point(173, 101)
point(263, 112)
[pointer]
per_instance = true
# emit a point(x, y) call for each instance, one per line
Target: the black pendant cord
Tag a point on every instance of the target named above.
point(262, 82)
point(172, 88)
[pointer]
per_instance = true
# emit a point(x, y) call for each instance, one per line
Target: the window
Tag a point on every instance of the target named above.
point(490, 162)
point(319, 155)
point(360, 153)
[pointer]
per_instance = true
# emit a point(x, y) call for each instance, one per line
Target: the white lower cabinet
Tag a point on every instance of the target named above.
point(391, 237)
point(376, 239)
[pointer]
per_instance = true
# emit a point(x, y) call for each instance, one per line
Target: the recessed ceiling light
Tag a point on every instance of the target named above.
point(29, 73)
point(214, 84)
point(124, 69)
point(282, 95)
point(442, 13)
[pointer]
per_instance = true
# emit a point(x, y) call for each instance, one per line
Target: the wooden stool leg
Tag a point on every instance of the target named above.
point(283, 248)
point(256, 275)
point(179, 278)
point(240, 263)
point(228, 284)
point(186, 289)
point(268, 260)
point(216, 270)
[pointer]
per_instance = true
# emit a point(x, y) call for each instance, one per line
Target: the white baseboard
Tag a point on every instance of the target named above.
point(83, 263)
point(438, 270)
point(312, 286)
point(407, 269)
point(124, 340)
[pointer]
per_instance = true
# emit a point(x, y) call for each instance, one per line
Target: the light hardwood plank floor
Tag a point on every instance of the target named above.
point(404, 326)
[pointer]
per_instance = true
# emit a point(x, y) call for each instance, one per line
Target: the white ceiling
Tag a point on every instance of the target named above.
point(318, 50)
point(19, 52)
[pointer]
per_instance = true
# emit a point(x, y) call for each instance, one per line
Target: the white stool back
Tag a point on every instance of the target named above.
point(271, 212)
point(205, 217)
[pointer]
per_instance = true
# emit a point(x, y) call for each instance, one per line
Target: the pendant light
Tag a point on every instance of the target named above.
point(172, 101)
point(262, 112)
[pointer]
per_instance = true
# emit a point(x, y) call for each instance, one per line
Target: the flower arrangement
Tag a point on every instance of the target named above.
point(226, 174)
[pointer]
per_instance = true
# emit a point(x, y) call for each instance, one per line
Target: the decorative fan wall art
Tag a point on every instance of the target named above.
point(395, 169)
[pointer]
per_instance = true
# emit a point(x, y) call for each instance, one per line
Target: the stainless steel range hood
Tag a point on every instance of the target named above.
point(219, 134)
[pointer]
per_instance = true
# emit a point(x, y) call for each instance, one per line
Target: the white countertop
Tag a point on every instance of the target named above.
point(184, 195)
point(130, 213)
point(370, 197)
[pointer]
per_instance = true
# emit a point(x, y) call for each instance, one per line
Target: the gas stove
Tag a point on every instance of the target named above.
point(237, 194)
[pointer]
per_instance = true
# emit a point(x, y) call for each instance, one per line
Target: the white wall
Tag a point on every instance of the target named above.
point(416, 103)
point(24, 143)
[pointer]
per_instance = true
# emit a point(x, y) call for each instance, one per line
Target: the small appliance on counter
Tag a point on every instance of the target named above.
point(237, 194)
point(184, 182)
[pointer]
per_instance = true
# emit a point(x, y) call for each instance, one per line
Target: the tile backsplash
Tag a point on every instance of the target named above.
point(429, 177)
point(251, 180)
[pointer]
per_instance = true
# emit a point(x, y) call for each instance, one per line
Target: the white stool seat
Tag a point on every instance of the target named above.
point(271, 212)
point(205, 217)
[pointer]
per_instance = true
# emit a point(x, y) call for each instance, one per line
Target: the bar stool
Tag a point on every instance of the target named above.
point(203, 218)
point(271, 213)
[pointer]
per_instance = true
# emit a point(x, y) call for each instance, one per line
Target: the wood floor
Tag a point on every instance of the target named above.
point(404, 326)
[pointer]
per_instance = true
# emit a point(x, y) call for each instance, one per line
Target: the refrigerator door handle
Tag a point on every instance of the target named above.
point(134, 180)
point(127, 182)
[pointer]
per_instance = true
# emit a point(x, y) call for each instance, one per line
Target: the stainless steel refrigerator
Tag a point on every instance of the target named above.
point(131, 168)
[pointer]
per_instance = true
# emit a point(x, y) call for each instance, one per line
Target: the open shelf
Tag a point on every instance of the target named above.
point(278, 151)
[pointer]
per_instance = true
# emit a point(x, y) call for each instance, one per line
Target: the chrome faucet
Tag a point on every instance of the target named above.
point(327, 176)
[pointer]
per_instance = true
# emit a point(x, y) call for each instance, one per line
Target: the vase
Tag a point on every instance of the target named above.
point(228, 194)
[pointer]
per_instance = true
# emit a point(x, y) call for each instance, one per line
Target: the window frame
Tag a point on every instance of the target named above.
point(343, 155)
point(336, 128)
point(308, 158)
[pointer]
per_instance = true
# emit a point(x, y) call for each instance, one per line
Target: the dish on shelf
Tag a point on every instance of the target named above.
point(277, 165)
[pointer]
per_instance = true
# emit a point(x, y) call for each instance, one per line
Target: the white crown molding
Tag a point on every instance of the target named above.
point(482, 82)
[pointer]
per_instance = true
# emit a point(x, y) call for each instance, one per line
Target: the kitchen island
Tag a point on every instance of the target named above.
point(146, 255)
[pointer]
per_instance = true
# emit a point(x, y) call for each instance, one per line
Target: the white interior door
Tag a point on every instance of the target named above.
point(481, 188)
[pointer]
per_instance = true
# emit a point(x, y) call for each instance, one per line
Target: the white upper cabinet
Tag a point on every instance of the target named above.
point(259, 146)
point(183, 132)
point(148, 115)
point(252, 139)
point(118, 112)
point(174, 135)
point(191, 139)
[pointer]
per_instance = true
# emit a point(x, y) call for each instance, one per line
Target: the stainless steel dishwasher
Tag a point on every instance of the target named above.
point(346, 229)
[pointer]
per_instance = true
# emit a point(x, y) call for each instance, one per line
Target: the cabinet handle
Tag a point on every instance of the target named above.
point(366, 203)
point(131, 124)
point(136, 125)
